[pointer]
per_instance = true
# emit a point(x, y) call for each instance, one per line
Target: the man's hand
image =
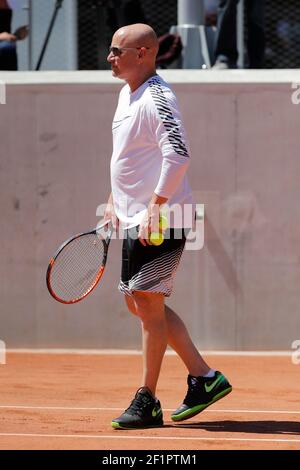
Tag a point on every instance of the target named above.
point(150, 222)
point(8, 37)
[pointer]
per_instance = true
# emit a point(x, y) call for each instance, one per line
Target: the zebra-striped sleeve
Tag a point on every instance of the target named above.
point(170, 136)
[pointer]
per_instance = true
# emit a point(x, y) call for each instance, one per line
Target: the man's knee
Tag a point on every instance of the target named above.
point(148, 304)
point(139, 303)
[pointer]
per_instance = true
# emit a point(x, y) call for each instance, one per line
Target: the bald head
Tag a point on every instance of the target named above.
point(138, 35)
point(133, 54)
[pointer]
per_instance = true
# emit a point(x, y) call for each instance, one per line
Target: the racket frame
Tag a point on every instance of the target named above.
point(105, 242)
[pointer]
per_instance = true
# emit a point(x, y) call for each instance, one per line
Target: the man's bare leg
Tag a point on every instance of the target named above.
point(151, 310)
point(179, 339)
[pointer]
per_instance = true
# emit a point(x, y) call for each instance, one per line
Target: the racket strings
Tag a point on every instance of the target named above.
point(77, 267)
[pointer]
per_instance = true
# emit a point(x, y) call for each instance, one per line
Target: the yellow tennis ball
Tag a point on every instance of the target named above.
point(163, 222)
point(156, 238)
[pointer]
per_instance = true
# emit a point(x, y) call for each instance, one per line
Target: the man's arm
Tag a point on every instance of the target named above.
point(165, 122)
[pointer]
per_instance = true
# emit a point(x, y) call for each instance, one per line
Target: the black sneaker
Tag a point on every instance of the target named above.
point(201, 393)
point(143, 412)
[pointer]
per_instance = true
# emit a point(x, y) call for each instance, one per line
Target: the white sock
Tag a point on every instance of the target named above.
point(210, 374)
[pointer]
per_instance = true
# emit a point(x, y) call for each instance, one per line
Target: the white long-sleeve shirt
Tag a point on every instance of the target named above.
point(150, 153)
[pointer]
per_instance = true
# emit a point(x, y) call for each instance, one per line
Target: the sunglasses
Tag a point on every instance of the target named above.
point(117, 51)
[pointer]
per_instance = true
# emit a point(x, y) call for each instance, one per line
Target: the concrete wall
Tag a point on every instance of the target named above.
point(240, 292)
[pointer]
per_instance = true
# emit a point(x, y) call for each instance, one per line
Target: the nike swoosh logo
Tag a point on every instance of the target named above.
point(156, 412)
point(119, 123)
point(209, 388)
point(121, 120)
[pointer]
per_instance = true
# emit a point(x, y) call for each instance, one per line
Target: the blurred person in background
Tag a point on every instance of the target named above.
point(124, 12)
point(211, 12)
point(8, 48)
point(226, 52)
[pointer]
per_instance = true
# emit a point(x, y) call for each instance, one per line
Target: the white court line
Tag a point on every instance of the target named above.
point(133, 352)
point(165, 438)
point(72, 408)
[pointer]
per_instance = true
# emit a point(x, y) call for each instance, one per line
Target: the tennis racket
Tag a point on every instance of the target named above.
point(78, 264)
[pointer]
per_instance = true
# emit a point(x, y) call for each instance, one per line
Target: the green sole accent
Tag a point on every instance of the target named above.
point(197, 409)
point(116, 425)
point(119, 426)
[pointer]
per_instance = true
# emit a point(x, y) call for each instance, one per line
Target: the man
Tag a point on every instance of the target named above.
point(226, 52)
point(148, 169)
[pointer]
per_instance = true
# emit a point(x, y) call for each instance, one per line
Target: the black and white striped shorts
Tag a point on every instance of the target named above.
point(150, 268)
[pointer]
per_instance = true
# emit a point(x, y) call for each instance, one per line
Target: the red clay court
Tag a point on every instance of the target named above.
point(66, 401)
